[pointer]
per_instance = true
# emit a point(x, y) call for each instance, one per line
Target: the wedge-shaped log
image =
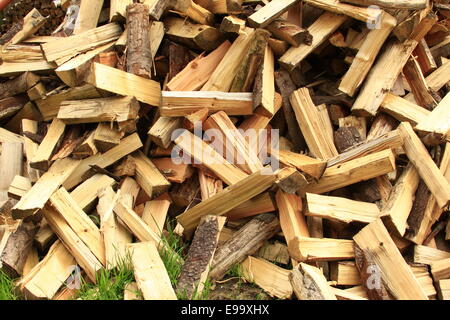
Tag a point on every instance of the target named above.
point(428, 171)
point(228, 199)
point(183, 103)
point(437, 122)
point(325, 249)
point(195, 270)
point(150, 273)
point(320, 144)
point(374, 240)
point(37, 196)
point(247, 241)
point(309, 283)
point(320, 30)
point(353, 171)
point(403, 110)
point(270, 277)
point(98, 110)
point(63, 49)
point(270, 12)
point(124, 83)
point(340, 209)
point(311, 166)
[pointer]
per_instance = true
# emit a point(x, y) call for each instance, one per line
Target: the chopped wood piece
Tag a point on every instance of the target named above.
point(325, 249)
point(389, 4)
point(106, 137)
point(195, 270)
point(124, 83)
point(275, 252)
point(440, 269)
point(309, 121)
point(139, 58)
point(444, 289)
point(418, 85)
point(403, 110)
point(232, 24)
point(85, 194)
point(11, 164)
point(177, 173)
point(375, 242)
point(19, 187)
point(290, 180)
point(162, 130)
point(44, 237)
point(436, 123)
point(194, 119)
point(368, 15)
point(155, 212)
point(88, 16)
point(320, 30)
point(63, 49)
point(182, 103)
point(269, 12)
point(38, 195)
point(18, 85)
point(340, 209)
point(10, 106)
point(45, 279)
point(345, 273)
point(264, 88)
point(259, 204)
point(382, 77)
point(118, 109)
point(271, 278)
point(227, 199)
point(86, 148)
point(32, 22)
point(126, 168)
point(426, 167)
point(353, 171)
point(309, 283)
point(243, 243)
point(426, 255)
point(150, 273)
point(290, 32)
point(346, 137)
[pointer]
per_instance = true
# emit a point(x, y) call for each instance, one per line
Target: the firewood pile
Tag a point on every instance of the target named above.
point(306, 142)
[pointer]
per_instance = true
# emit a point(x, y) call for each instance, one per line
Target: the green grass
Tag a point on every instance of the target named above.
point(6, 287)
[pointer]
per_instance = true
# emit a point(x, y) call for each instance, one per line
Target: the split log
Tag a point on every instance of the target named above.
point(177, 173)
point(427, 255)
point(162, 130)
point(32, 22)
point(195, 270)
point(418, 85)
point(290, 32)
point(389, 4)
point(309, 283)
point(86, 193)
point(232, 24)
point(403, 110)
point(444, 289)
point(88, 16)
point(324, 249)
point(269, 12)
point(367, 15)
point(440, 269)
point(257, 205)
point(11, 164)
point(155, 212)
point(18, 85)
point(18, 187)
point(264, 88)
point(243, 243)
point(106, 137)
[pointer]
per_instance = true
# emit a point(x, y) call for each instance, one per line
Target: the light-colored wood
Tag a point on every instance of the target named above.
point(124, 83)
point(49, 275)
point(148, 176)
point(345, 273)
point(44, 237)
point(41, 159)
point(198, 71)
point(32, 22)
point(313, 167)
point(396, 209)
point(444, 289)
point(86, 193)
point(271, 278)
point(382, 77)
point(227, 199)
point(403, 110)
point(107, 136)
point(15, 68)
point(84, 257)
point(155, 213)
point(11, 165)
point(118, 9)
point(126, 146)
point(309, 283)
point(375, 241)
point(232, 24)
point(320, 30)
point(264, 91)
point(320, 144)
point(276, 252)
point(37, 196)
point(257, 205)
point(19, 187)
point(150, 273)
point(340, 209)
point(440, 269)
point(427, 255)
point(88, 15)
point(208, 157)
point(366, 56)
point(325, 249)
point(86, 148)
point(182, 103)
point(367, 15)
point(392, 4)
point(173, 172)
point(63, 49)
point(426, 282)
point(269, 12)
point(428, 171)
point(417, 84)
point(161, 131)
point(437, 123)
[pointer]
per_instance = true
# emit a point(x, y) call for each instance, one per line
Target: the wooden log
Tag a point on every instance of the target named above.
point(340, 209)
point(42, 157)
point(46, 278)
point(444, 289)
point(367, 15)
point(195, 270)
point(86, 148)
point(182, 103)
point(290, 32)
point(44, 237)
point(177, 173)
point(37, 196)
point(106, 137)
point(232, 24)
point(427, 255)
point(16, 68)
point(192, 120)
point(320, 30)
point(155, 212)
point(389, 4)
point(18, 85)
point(395, 273)
point(227, 199)
point(325, 249)
point(139, 59)
point(198, 71)
point(257, 205)
point(306, 165)
point(19, 187)
point(119, 109)
point(426, 167)
point(16, 249)
point(440, 269)
point(403, 110)
point(63, 49)
point(418, 85)
point(151, 275)
point(309, 283)
point(269, 12)
point(345, 273)
point(118, 9)
point(397, 208)
point(270, 277)
point(124, 83)
point(276, 252)
point(88, 16)
point(32, 22)
point(320, 144)
point(366, 56)
point(11, 165)
point(436, 124)
point(10, 106)
point(382, 77)
point(243, 243)
point(425, 58)
point(264, 88)
point(162, 130)
point(86, 193)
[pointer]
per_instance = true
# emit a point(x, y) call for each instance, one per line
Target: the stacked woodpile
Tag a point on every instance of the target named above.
point(106, 140)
